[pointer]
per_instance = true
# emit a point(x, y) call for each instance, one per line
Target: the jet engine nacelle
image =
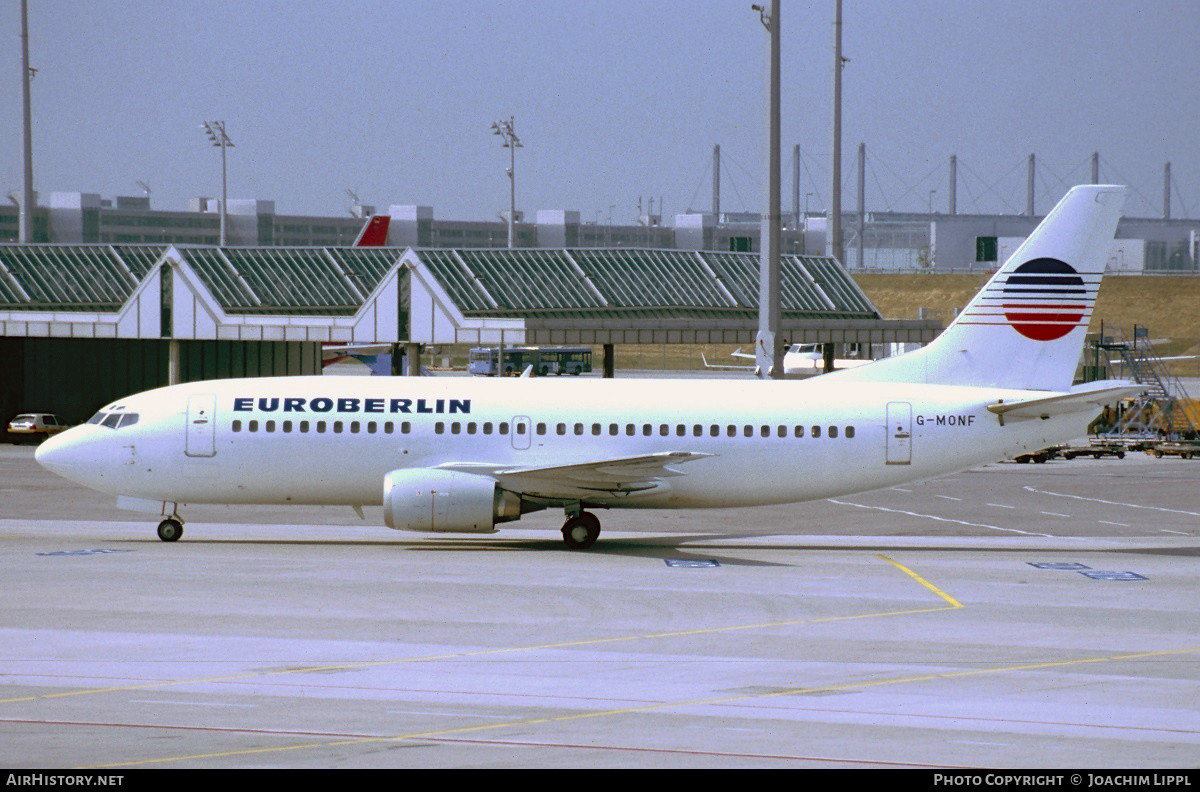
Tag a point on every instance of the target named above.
point(446, 501)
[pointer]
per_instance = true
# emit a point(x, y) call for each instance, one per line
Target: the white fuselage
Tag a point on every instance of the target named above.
point(463, 455)
point(332, 440)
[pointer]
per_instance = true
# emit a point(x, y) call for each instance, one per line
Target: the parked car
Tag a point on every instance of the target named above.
point(34, 426)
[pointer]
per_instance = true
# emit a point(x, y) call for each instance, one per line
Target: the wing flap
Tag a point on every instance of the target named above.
point(623, 475)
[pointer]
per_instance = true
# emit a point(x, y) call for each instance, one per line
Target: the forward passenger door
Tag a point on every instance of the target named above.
point(201, 439)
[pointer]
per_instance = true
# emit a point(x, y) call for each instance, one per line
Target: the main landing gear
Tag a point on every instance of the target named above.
point(581, 530)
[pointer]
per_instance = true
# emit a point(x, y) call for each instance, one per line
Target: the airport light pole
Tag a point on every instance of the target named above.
point(768, 342)
point(25, 232)
point(216, 133)
point(932, 231)
point(835, 193)
point(511, 142)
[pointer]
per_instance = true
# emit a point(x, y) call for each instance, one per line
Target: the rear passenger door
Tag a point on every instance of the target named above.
point(899, 433)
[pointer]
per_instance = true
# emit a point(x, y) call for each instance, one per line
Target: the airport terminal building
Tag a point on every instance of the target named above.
point(874, 242)
point(81, 325)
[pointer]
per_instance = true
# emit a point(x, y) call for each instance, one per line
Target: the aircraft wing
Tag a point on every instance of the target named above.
point(717, 366)
point(620, 476)
point(1094, 395)
point(331, 352)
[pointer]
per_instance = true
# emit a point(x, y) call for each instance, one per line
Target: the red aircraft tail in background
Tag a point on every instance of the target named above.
point(374, 233)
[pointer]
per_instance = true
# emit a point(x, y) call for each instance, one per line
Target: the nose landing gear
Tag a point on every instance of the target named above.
point(170, 529)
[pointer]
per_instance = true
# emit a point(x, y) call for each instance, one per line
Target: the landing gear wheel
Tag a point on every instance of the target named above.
point(170, 530)
point(581, 531)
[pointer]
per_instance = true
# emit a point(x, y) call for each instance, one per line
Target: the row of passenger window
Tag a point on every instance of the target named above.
point(678, 430)
point(578, 429)
point(321, 427)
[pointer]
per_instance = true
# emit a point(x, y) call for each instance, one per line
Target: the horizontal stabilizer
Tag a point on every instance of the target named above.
point(1092, 396)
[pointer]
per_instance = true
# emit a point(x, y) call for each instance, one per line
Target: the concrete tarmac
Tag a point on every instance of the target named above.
point(1013, 616)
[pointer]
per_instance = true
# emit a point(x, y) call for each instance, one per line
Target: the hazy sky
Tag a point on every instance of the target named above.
point(613, 99)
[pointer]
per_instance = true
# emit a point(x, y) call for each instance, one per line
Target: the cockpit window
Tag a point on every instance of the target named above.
point(114, 417)
point(115, 420)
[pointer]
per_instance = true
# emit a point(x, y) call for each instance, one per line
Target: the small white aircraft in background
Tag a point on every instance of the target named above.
point(376, 357)
point(464, 455)
point(800, 361)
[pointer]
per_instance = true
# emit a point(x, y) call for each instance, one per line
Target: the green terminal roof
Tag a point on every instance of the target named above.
point(72, 277)
point(548, 283)
point(268, 280)
point(320, 281)
point(629, 282)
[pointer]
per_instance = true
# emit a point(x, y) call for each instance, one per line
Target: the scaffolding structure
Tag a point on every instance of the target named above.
point(1163, 413)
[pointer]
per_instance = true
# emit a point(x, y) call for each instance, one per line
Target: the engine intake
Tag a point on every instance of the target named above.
point(446, 501)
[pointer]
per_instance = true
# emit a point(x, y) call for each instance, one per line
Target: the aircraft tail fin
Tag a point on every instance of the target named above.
point(1025, 329)
point(374, 232)
point(380, 365)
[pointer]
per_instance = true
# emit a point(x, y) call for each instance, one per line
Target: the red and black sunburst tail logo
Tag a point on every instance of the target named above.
point(1045, 299)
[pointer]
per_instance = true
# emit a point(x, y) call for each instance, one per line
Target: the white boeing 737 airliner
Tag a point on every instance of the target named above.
point(463, 455)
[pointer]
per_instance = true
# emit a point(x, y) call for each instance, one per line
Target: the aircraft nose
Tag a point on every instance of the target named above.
point(66, 453)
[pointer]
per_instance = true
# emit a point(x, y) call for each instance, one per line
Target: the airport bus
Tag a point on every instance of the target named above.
point(485, 361)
